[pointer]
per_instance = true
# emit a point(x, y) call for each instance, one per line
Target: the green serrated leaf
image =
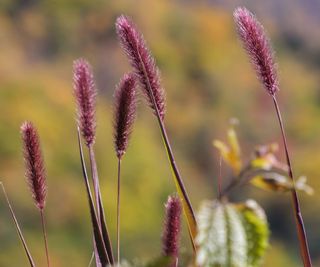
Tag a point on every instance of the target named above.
point(97, 234)
point(231, 235)
point(257, 231)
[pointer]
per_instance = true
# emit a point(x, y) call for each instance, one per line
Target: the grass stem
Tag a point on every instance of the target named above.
point(45, 236)
point(95, 180)
point(303, 242)
point(187, 207)
point(118, 212)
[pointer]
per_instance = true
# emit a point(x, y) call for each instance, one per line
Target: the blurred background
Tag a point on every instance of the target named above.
point(208, 80)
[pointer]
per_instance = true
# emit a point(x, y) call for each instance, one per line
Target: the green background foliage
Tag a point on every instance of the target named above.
point(207, 78)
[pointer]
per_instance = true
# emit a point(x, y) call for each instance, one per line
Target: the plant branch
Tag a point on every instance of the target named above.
point(303, 242)
point(235, 181)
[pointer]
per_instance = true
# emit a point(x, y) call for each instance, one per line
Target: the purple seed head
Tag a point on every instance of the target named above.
point(171, 233)
point(35, 171)
point(124, 112)
point(257, 45)
point(143, 63)
point(85, 93)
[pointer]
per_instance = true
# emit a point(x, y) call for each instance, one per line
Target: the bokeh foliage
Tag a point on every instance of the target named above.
point(207, 80)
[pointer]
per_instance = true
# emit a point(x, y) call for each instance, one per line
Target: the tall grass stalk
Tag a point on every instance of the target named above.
point(303, 242)
point(148, 74)
point(259, 50)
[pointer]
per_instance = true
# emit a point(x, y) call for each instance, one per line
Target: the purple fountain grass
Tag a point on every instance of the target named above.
point(124, 112)
point(143, 63)
point(35, 172)
point(85, 93)
point(258, 47)
point(148, 74)
point(124, 116)
point(172, 227)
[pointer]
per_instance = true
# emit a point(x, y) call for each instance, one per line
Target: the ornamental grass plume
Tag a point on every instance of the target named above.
point(124, 112)
point(148, 75)
point(85, 93)
point(124, 116)
point(35, 172)
point(257, 45)
point(172, 227)
point(143, 64)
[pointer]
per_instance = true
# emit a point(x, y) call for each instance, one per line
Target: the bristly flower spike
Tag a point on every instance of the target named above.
point(257, 45)
point(35, 171)
point(85, 93)
point(124, 116)
point(172, 225)
point(124, 112)
point(259, 49)
point(143, 63)
point(148, 76)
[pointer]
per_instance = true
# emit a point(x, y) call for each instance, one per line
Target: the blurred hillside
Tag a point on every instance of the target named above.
point(208, 80)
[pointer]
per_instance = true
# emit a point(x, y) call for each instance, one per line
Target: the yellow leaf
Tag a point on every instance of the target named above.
point(230, 153)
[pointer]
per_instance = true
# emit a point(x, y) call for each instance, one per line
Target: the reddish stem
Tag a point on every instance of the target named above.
point(171, 157)
point(303, 242)
point(118, 213)
point(44, 235)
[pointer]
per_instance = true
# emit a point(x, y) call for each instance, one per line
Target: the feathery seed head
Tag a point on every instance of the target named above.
point(143, 63)
point(124, 112)
point(35, 171)
point(257, 45)
point(85, 93)
point(172, 225)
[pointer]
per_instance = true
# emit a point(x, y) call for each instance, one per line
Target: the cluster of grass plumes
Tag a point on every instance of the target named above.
point(225, 233)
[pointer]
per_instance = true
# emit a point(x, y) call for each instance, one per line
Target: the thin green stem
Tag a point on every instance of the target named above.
point(45, 236)
point(303, 242)
point(91, 259)
point(118, 212)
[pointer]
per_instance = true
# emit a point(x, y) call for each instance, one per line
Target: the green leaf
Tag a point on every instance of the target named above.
point(98, 238)
point(257, 231)
point(231, 235)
